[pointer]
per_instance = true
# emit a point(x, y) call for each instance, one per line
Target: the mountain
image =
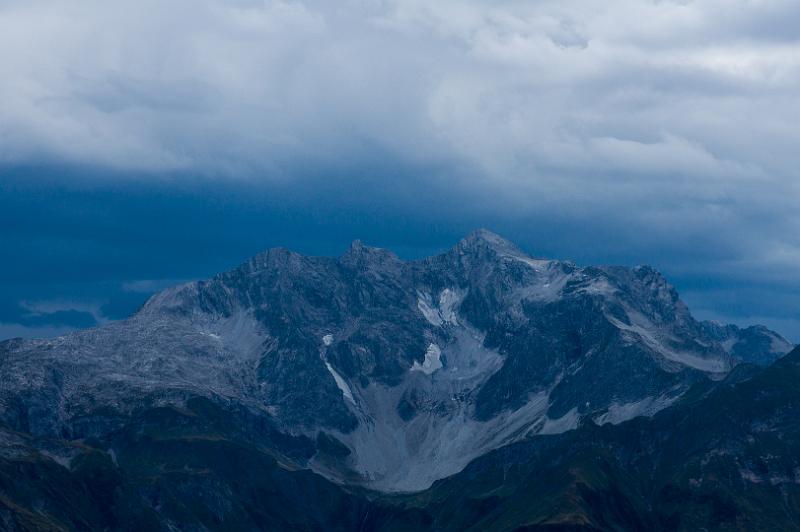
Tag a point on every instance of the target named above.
point(726, 456)
point(243, 399)
point(723, 457)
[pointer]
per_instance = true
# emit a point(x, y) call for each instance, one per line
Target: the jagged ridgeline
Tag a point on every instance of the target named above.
point(235, 402)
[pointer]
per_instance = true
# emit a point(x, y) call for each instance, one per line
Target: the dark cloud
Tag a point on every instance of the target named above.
point(149, 141)
point(101, 246)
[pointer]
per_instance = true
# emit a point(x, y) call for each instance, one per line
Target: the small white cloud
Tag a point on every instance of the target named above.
point(43, 308)
point(16, 330)
point(149, 286)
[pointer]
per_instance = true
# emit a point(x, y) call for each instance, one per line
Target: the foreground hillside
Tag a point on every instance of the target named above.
point(725, 457)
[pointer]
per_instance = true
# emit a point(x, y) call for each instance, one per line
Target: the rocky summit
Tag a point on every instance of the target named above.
point(368, 392)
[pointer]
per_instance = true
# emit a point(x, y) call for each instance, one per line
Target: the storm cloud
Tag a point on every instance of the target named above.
point(632, 131)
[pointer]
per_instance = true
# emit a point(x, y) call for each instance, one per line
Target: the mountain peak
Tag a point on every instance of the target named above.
point(359, 253)
point(357, 247)
point(483, 239)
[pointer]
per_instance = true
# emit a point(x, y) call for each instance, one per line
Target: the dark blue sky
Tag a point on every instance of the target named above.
point(146, 143)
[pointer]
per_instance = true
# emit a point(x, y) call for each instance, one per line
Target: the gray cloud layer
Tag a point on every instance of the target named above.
point(673, 124)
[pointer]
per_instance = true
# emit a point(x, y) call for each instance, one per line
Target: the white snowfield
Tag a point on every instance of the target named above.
point(341, 383)
point(433, 360)
point(327, 341)
point(443, 311)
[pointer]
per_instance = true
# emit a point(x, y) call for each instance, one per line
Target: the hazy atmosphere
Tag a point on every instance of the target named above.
point(148, 145)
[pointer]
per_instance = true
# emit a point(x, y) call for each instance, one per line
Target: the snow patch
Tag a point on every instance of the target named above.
point(433, 360)
point(327, 340)
point(568, 421)
point(448, 301)
point(619, 412)
point(599, 286)
point(63, 461)
point(642, 328)
point(779, 345)
point(548, 287)
point(431, 314)
point(536, 264)
point(728, 345)
point(341, 383)
point(445, 310)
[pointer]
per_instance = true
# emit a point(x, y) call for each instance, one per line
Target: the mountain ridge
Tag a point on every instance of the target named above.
point(400, 372)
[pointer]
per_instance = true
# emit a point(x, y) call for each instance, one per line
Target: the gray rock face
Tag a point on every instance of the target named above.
point(402, 372)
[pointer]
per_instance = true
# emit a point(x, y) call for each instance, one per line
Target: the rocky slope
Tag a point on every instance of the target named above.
point(723, 457)
point(726, 456)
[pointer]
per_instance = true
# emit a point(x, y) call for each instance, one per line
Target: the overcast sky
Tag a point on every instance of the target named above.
point(144, 143)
